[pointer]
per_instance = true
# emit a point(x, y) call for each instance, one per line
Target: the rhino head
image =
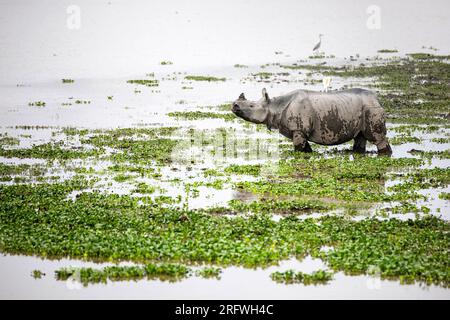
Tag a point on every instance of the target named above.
point(253, 111)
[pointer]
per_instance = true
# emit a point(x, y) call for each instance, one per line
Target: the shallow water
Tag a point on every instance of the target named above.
point(235, 283)
point(117, 37)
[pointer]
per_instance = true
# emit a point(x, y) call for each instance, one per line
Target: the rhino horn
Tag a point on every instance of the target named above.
point(242, 97)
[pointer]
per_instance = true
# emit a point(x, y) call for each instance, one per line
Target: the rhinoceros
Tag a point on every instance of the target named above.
point(326, 118)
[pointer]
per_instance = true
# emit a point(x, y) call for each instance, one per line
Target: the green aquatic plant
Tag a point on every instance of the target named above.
point(444, 195)
point(82, 101)
point(163, 271)
point(50, 151)
point(253, 170)
point(387, 51)
point(262, 75)
point(37, 104)
point(404, 139)
point(197, 115)
point(123, 177)
point(275, 206)
point(441, 140)
point(209, 272)
point(154, 147)
point(403, 208)
point(203, 78)
point(19, 169)
point(37, 274)
point(340, 178)
point(445, 154)
point(68, 81)
point(145, 82)
point(291, 276)
point(42, 220)
point(144, 188)
point(216, 184)
point(9, 141)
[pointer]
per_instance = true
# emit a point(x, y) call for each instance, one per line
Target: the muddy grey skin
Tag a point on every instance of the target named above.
point(324, 118)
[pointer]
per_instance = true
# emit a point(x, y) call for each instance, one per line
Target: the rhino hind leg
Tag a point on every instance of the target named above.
point(300, 143)
point(360, 143)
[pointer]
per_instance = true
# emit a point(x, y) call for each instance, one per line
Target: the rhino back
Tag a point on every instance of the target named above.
point(329, 118)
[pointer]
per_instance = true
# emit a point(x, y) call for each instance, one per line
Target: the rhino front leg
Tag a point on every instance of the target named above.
point(300, 142)
point(360, 143)
point(376, 130)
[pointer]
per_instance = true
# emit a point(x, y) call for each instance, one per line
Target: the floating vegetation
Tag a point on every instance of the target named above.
point(339, 178)
point(164, 271)
point(281, 206)
point(445, 195)
point(123, 177)
point(68, 81)
point(49, 151)
point(41, 220)
point(82, 101)
point(290, 276)
point(404, 139)
point(253, 170)
point(166, 63)
point(262, 75)
point(431, 154)
point(441, 140)
point(209, 272)
point(204, 78)
point(319, 56)
point(9, 141)
point(403, 208)
point(145, 82)
point(144, 188)
point(198, 115)
point(37, 104)
point(387, 51)
point(37, 274)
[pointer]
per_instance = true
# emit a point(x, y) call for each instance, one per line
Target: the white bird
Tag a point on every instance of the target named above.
point(326, 81)
point(317, 46)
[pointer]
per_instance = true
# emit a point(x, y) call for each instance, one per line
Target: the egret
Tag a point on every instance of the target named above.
point(317, 47)
point(326, 81)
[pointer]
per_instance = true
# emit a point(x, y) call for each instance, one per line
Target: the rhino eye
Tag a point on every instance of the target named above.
point(251, 106)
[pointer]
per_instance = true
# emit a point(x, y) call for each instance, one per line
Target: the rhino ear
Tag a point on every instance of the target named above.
point(241, 96)
point(265, 95)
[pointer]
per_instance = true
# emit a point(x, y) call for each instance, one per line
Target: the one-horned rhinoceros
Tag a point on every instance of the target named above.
point(324, 118)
